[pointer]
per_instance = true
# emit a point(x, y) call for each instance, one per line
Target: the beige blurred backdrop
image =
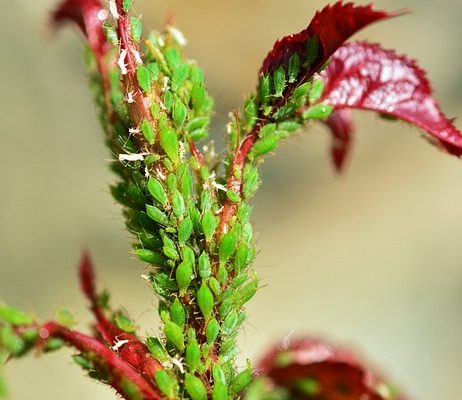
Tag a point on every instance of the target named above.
point(371, 259)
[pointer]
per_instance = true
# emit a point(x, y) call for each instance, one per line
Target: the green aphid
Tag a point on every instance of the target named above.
point(233, 196)
point(308, 386)
point(247, 232)
point(205, 300)
point(267, 130)
point(286, 111)
point(186, 182)
point(312, 51)
point(264, 146)
point(265, 88)
point(110, 33)
point(197, 75)
point(222, 274)
point(170, 250)
point(317, 90)
point(239, 280)
point(166, 383)
point(251, 180)
point(150, 257)
point(212, 330)
point(174, 335)
point(218, 374)
point(195, 217)
point(246, 293)
point(289, 126)
point(197, 123)
point(136, 29)
point(184, 275)
point(65, 317)
point(241, 257)
point(157, 215)
point(83, 362)
point(206, 199)
point(185, 230)
point(243, 213)
point(293, 68)
point(177, 313)
point(126, 5)
point(180, 112)
point(180, 75)
point(188, 254)
point(227, 245)
point(124, 323)
point(14, 317)
point(301, 91)
point(250, 112)
point(214, 285)
point(53, 344)
point(168, 99)
point(173, 58)
point(169, 142)
point(195, 387)
point(143, 77)
point(220, 391)
point(152, 241)
point(229, 324)
point(193, 355)
point(148, 132)
point(178, 205)
point(209, 224)
point(154, 70)
point(156, 189)
point(199, 134)
point(242, 380)
point(205, 173)
point(319, 111)
point(280, 81)
point(157, 350)
point(225, 307)
point(11, 342)
point(228, 348)
point(204, 265)
point(172, 183)
point(198, 97)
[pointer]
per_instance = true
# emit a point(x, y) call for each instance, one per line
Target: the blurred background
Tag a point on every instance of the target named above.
point(371, 259)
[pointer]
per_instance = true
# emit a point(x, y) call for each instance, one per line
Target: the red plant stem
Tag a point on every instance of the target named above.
point(106, 359)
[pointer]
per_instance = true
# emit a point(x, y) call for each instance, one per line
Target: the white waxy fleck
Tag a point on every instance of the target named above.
point(131, 157)
point(178, 363)
point(177, 35)
point(137, 56)
point(121, 62)
point(113, 9)
point(133, 131)
point(130, 98)
point(118, 344)
point(102, 15)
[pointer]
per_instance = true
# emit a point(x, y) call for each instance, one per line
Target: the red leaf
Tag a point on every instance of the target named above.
point(365, 76)
point(342, 129)
point(315, 370)
point(85, 13)
point(332, 27)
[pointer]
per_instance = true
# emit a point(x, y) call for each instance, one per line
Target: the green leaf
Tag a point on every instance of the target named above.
point(195, 387)
point(205, 300)
point(148, 132)
point(294, 67)
point(174, 334)
point(14, 317)
point(144, 78)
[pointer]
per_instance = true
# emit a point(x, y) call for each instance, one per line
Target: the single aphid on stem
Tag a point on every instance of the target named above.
point(189, 210)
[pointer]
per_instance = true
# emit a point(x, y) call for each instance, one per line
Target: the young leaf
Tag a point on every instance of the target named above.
point(396, 86)
point(341, 127)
